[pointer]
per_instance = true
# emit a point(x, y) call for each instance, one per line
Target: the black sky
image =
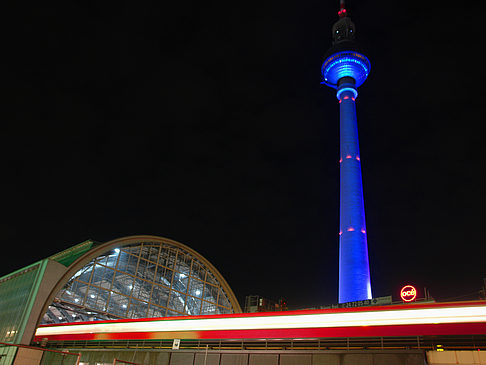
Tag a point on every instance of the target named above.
point(205, 122)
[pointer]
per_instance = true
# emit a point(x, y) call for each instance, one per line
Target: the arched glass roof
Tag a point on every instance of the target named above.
point(143, 279)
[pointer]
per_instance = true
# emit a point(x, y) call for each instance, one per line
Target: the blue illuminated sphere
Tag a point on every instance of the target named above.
point(345, 64)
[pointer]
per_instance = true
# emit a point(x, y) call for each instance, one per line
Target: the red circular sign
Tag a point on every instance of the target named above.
point(408, 293)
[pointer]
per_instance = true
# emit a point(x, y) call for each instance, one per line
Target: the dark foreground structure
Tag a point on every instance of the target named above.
point(394, 334)
point(154, 301)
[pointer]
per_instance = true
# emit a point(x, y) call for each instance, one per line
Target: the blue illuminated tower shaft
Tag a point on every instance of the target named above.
point(345, 69)
point(354, 273)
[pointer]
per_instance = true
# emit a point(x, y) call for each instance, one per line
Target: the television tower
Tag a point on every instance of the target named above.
point(345, 69)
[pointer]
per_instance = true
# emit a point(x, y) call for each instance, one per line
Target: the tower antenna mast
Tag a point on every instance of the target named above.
point(342, 9)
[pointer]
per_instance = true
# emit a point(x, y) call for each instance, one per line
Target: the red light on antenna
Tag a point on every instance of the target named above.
point(342, 12)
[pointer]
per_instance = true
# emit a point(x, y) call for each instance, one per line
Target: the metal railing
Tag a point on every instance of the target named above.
point(464, 342)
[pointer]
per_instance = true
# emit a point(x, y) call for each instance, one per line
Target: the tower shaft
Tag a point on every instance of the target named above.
point(354, 273)
point(345, 68)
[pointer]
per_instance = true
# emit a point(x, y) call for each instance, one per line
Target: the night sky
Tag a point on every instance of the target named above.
point(205, 122)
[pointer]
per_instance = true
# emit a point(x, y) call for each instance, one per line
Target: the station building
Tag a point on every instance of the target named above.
point(129, 277)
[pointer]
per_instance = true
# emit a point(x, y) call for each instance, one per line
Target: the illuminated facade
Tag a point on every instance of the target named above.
point(151, 277)
point(345, 69)
point(131, 277)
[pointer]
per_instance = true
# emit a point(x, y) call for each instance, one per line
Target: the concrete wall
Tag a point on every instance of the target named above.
point(456, 357)
point(243, 357)
point(12, 355)
point(28, 357)
point(52, 274)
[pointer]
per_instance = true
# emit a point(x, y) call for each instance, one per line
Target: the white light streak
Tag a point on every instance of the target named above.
point(320, 320)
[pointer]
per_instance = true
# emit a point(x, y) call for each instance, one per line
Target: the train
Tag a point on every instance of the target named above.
point(414, 319)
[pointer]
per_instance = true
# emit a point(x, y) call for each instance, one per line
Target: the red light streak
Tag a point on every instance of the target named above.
point(398, 320)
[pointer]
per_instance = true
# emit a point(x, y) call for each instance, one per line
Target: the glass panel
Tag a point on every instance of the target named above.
point(131, 267)
point(171, 260)
point(72, 296)
point(98, 275)
point(84, 274)
point(173, 313)
point(164, 276)
point(177, 301)
point(198, 271)
point(141, 289)
point(79, 292)
point(180, 282)
point(101, 260)
point(102, 300)
point(134, 250)
point(113, 258)
point(210, 293)
point(222, 300)
point(208, 308)
point(193, 306)
point(154, 254)
point(211, 279)
point(164, 256)
point(196, 288)
point(184, 263)
point(145, 251)
point(122, 260)
point(92, 297)
point(137, 309)
point(142, 265)
point(123, 283)
point(155, 311)
point(118, 305)
point(107, 278)
point(128, 263)
point(146, 270)
point(160, 295)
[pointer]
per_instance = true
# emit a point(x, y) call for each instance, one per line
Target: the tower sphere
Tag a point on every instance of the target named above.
point(344, 59)
point(345, 64)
